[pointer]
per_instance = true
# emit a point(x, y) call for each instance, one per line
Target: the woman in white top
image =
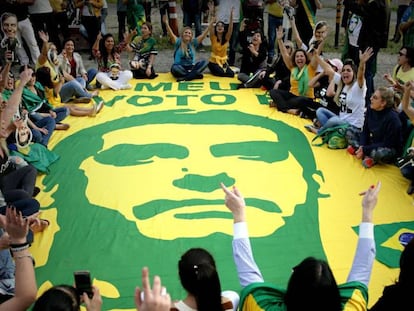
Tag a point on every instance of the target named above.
point(350, 97)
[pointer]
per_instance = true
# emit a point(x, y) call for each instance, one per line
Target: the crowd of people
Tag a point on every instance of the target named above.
point(287, 60)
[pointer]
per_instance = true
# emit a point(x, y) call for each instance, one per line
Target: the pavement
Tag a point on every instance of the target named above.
point(386, 61)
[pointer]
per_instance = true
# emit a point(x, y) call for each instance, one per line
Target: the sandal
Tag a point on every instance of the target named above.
point(39, 226)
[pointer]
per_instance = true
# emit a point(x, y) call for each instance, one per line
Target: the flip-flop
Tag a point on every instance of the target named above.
point(44, 223)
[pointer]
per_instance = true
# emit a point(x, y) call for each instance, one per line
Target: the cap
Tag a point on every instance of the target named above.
point(336, 62)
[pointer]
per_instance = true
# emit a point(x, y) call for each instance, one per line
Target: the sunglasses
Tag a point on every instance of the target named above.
point(288, 46)
point(401, 54)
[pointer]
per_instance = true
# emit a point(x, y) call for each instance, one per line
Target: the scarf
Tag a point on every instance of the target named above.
point(303, 79)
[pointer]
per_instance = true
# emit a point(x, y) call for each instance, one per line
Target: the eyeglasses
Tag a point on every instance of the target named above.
point(402, 54)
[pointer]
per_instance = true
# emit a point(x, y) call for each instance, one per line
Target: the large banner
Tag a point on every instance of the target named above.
point(139, 184)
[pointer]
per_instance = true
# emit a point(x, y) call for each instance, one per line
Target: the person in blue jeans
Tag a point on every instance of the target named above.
point(274, 20)
point(185, 67)
point(40, 110)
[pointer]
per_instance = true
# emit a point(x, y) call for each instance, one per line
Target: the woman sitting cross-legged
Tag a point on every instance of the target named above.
point(350, 97)
point(145, 51)
point(185, 67)
point(110, 75)
point(302, 70)
point(381, 139)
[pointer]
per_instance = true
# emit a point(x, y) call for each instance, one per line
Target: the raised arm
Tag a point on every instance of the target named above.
point(363, 58)
point(13, 104)
point(230, 29)
point(284, 52)
point(365, 252)
point(406, 99)
point(45, 47)
point(247, 269)
point(204, 34)
point(171, 34)
point(156, 299)
point(295, 34)
point(25, 287)
point(4, 75)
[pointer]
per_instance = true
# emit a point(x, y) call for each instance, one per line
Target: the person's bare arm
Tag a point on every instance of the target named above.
point(4, 75)
point(363, 58)
point(25, 287)
point(230, 29)
point(170, 32)
point(45, 47)
point(295, 33)
point(13, 103)
point(406, 99)
point(285, 55)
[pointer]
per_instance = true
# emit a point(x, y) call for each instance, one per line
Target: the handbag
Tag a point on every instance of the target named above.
point(334, 137)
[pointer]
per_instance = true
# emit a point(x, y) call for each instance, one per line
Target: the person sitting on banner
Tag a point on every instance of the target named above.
point(111, 75)
point(145, 51)
point(220, 40)
point(349, 96)
point(199, 277)
point(398, 295)
point(312, 285)
point(254, 56)
point(380, 140)
point(406, 163)
point(185, 67)
point(302, 70)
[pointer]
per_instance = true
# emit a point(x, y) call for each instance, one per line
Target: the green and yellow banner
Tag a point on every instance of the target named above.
point(139, 184)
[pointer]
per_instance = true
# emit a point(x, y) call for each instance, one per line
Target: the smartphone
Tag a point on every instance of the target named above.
point(83, 283)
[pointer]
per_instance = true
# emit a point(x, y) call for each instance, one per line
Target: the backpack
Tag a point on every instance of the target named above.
point(334, 137)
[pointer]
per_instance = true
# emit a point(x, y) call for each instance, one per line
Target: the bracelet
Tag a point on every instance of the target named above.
point(25, 256)
point(19, 245)
point(19, 249)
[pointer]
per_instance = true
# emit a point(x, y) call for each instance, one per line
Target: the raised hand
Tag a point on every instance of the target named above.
point(235, 203)
point(155, 299)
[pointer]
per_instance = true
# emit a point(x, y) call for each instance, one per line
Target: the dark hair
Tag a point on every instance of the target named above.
point(199, 277)
point(58, 298)
point(406, 277)
point(103, 50)
point(223, 39)
point(23, 67)
point(67, 40)
point(312, 286)
point(294, 55)
point(351, 63)
point(409, 55)
point(43, 77)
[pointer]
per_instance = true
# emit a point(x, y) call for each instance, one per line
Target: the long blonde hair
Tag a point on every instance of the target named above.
point(183, 45)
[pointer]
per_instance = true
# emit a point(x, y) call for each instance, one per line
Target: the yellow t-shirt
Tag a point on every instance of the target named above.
point(275, 9)
point(294, 84)
point(218, 51)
